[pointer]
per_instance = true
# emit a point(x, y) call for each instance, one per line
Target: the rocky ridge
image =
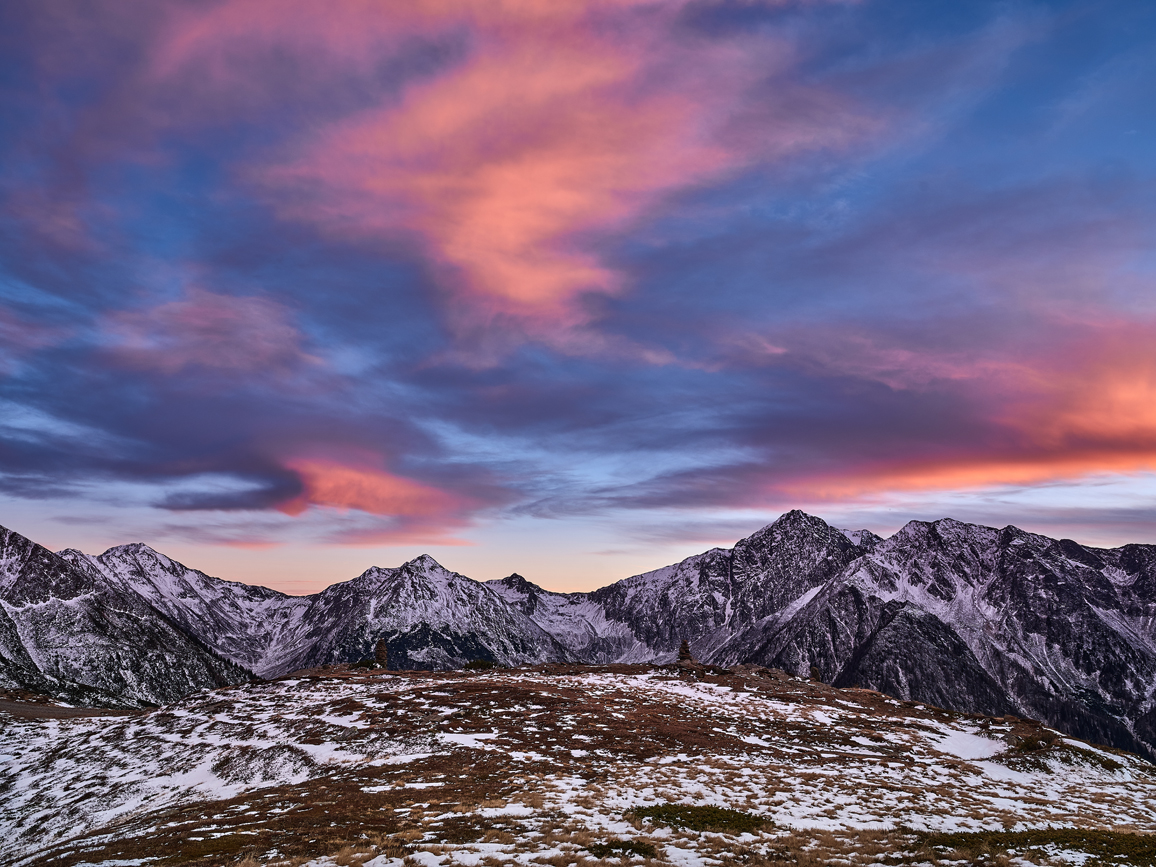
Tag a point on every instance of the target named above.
point(957, 615)
point(71, 634)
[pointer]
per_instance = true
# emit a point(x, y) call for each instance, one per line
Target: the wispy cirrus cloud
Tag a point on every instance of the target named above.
point(20, 337)
point(417, 271)
point(211, 332)
point(554, 125)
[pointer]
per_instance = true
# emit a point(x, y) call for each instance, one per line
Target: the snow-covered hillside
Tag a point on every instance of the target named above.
point(239, 621)
point(543, 767)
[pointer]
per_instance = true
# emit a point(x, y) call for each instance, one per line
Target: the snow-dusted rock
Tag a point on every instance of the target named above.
point(430, 618)
point(68, 632)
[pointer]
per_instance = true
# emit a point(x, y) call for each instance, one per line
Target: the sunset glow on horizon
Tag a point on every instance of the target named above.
point(573, 288)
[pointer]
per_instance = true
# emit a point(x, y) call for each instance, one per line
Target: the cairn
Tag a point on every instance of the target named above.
point(381, 653)
point(684, 655)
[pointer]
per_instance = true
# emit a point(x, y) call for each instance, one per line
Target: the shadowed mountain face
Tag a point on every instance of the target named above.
point(706, 599)
point(956, 615)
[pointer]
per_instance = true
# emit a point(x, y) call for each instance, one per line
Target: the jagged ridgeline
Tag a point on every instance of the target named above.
point(956, 615)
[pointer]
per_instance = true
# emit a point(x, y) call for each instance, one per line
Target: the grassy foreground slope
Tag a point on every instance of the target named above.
point(561, 765)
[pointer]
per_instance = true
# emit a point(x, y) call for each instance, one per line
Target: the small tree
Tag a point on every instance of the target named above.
point(381, 653)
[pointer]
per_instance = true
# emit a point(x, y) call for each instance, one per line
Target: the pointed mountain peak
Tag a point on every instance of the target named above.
point(1012, 535)
point(523, 594)
point(516, 582)
point(796, 516)
point(426, 563)
point(29, 572)
point(421, 566)
point(863, 538)
point(797, 524)
point(136, 549)
point(914, 528)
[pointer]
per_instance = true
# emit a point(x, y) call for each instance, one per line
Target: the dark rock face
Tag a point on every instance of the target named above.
point(916, 655)
point(992, 620)
point(821, 635)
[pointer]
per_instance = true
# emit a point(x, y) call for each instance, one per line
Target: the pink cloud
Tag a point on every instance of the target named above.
point(58, 217)
point(1096, 392)
point(1084, 406)
point(564, 120)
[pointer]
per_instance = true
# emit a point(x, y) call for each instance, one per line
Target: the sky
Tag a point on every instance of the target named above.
point(573, 288)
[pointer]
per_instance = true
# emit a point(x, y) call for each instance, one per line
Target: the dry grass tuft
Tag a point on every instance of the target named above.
point(349, 856)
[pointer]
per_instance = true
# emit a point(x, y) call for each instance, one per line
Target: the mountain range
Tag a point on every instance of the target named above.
point(960, 616)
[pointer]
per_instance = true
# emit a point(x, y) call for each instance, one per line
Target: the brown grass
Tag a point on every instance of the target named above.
point(333, 813)
point(348, 856)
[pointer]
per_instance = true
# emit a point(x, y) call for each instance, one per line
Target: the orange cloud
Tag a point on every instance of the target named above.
point(1086, 407)
point(961, 472)
point(1100, 393)
point(328, 483)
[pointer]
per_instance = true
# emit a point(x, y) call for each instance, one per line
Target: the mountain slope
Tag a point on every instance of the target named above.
point(239, 621)
point(704, 599)
point(957, 615)
point(66, 633)
point(979, 619)
point(430, 618)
